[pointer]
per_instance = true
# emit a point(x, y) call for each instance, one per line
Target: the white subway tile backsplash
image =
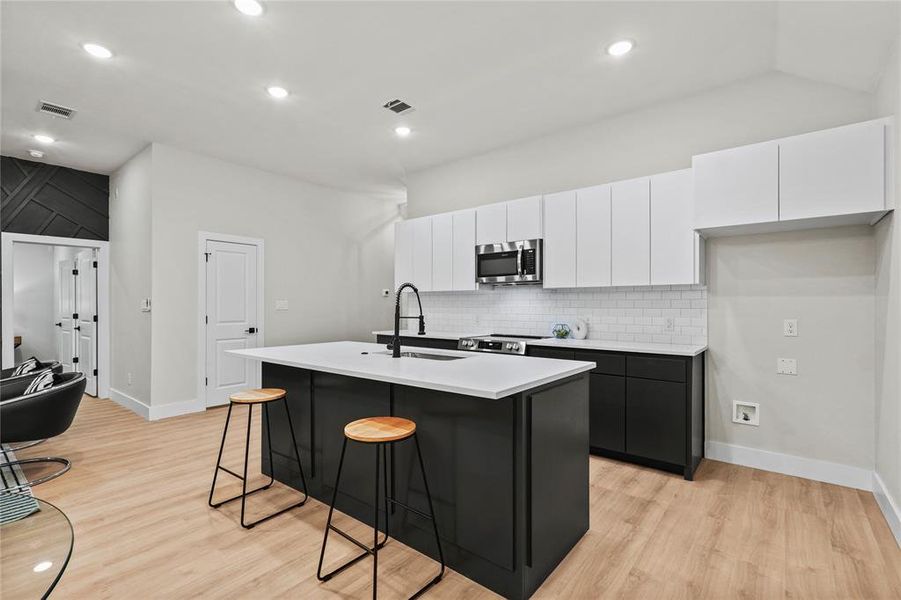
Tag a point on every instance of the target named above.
point(620, 314)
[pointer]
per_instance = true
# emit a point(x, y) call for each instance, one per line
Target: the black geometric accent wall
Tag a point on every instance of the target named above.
point(44, 199)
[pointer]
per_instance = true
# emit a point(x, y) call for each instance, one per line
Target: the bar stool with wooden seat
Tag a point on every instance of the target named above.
point(251, 398)
point(379, 432)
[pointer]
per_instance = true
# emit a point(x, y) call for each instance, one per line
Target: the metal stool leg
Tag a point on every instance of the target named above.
point(428, 495)
point(66, 465)
point(367, 551)
point(219, 458)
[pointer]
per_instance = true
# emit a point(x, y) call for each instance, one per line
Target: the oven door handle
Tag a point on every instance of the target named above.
point(519, 262)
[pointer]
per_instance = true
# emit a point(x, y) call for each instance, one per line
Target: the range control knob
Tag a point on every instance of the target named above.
point(515, 346)
point(508, 346)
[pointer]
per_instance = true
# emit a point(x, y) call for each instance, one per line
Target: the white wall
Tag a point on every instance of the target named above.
point(888, 323)
point(329, 253)
point(825, 413)
point(825, 279)
point(653, 140)
point(33, 280)
point(130, 212)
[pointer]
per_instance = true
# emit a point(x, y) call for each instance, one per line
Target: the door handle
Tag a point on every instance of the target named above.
point(519, 262)
point(58, 324)
point(78, 328)
point(251, 330)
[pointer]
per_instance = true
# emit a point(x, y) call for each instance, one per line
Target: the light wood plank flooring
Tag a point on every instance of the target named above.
point(137, 496)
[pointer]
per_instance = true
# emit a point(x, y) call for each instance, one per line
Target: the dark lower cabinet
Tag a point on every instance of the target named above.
point(607, 412)
point(655, 420)
point(643, 408)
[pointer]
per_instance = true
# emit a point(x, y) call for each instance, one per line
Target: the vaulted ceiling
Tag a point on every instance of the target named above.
point(481, 75)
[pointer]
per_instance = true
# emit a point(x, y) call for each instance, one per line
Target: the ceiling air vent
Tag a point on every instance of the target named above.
point(55, 110)
point(398, 106)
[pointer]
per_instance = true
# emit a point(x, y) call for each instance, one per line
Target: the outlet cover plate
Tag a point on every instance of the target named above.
point(790, 327)
point(281, 304)
point(786, 366)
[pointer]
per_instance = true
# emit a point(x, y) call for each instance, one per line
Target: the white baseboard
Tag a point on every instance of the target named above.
point(175, 409)
point(808, 468)
point(889, 507)
point(129, 402)
point(156, 412)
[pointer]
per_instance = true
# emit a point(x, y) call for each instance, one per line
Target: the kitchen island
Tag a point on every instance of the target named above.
point(504, 439)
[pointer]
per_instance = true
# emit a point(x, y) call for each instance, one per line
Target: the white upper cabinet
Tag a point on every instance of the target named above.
point(422, 253)
point(464, 250)
point(524, 219)
point(834, 172)
point(631, 226)
point(491, 224)
point(737, 186)
point(560, 240)
point(593, 236)
point(672, 233)
point(443, 252)
point(403, 252)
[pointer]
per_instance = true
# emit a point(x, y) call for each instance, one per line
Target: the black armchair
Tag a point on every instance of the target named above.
point(41, 415)
point(12, 386)
point(53, 365)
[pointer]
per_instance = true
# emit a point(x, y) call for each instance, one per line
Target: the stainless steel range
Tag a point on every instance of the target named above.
point(499, 343)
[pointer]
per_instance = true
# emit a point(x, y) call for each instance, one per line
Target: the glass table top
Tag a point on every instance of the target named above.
point(35, 546)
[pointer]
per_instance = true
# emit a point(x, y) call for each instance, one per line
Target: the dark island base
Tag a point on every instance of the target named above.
point(509, 477)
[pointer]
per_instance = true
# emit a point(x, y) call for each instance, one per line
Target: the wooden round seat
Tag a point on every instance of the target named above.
point(376, 430)
point(257, 396)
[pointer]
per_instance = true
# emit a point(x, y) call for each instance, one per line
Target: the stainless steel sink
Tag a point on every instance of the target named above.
point(425, 355)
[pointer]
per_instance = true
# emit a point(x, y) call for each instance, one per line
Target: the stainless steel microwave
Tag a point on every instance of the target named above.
point(509, 263)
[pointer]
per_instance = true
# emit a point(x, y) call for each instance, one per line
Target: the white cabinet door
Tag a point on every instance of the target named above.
point(737, 186)
point(593, 236)
point(422, 253)
point(560, 240)
point(524, 219)
point(672, 235)
point(403, 252)
point(834, 172)
point(443, 252)
point(464, 250)
point(491, 224)
point(631, 225)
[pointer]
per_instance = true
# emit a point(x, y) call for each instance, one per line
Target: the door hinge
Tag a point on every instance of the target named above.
point(206, 319)
point(206, 381)
point(95, 264)
point(74, 315)
point(95, 318)
point(75, 271)
point(95, 372)
point(206, 255)
point(75, 360)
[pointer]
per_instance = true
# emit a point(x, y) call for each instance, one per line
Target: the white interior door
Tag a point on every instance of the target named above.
point(231, 319)
point(65, 310)
point(85, 327)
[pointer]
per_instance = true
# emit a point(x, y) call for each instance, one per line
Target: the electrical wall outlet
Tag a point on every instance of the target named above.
point(281, 304)
point(130, 380)
point(787, 366)
point(745, 413)
point(790, 327)
point(669, 325)
point(145, 305)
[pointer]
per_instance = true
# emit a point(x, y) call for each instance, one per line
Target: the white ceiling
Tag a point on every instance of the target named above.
point(481, 75)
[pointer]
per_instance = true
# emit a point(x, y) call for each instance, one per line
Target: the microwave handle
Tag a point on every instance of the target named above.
point(519, 262)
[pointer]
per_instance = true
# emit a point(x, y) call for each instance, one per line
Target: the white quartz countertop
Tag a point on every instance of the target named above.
point(642, 347)
point(437, 335)
point(477, 374)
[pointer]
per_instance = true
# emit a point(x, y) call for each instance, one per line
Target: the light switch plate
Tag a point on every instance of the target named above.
point(669, 325)
point(787, 366)
point(790, 327)
point(281, 305)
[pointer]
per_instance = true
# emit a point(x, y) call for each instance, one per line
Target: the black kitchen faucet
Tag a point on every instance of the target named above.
point(395, 342)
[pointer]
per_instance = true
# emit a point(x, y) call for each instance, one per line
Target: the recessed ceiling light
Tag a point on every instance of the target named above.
point(276, 91)
point(44, 139)
point(35, 154)
point(402, 131)
point(251, 8)
point(42, 566)
point(621, 47)
point(97, 50)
